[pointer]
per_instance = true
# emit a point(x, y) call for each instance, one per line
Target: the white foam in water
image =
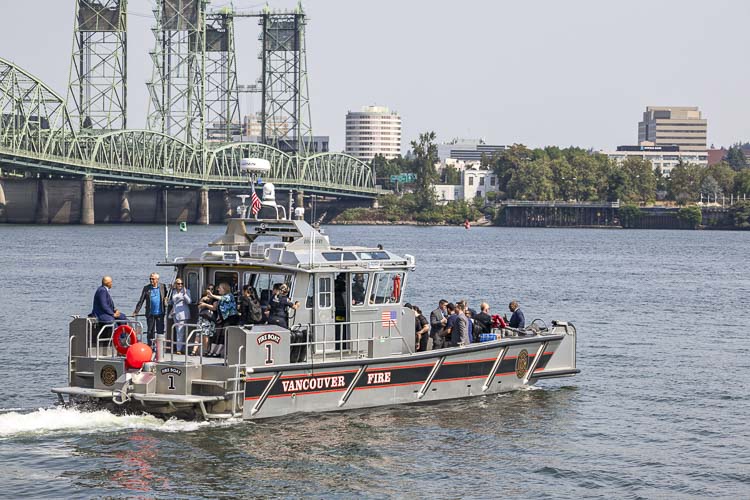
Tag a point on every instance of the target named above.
point(71, 420)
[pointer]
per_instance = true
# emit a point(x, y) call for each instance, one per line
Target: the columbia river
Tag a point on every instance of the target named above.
point(660, 409)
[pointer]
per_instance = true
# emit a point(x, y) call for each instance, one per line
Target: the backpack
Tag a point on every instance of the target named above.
point(256, 313)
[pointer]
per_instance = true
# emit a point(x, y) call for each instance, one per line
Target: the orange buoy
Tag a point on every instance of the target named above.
point(123, 337)
point(137, 355)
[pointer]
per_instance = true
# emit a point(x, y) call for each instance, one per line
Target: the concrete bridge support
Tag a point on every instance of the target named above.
point(228, 212)
point(87, 200)
point(42, 203)
point(3, 202)
point(161, 205)
point(203, 213)
point(300, 203)
point(125, 215)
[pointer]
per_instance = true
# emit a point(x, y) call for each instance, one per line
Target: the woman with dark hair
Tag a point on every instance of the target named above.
point(251, 312)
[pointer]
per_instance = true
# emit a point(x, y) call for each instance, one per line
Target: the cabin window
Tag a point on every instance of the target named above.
point(264, 283)
point(248, 278)
point(359, 288)
point(310, 301)
point(324, 292)
point(338, 256)
point(193, 287)
point(386, 288)
point(229, 277)
point(373, 255)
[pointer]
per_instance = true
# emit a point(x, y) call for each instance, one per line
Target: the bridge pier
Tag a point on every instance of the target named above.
point(300, 203)
point(161, 205)
point(87, 200)
point(227, 206)
point(42, 203)
point(203, 214)
point(3, 202)
point(125, 215)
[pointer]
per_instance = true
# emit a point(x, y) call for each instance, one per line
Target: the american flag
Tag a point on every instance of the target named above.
point(388, 318)
point(254, 203)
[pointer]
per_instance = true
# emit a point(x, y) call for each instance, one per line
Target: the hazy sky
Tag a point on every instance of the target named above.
point(538, 72)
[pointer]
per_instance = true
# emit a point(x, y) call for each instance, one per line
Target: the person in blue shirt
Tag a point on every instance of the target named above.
point(104, 307)
point(155, 298)
point(517, 320)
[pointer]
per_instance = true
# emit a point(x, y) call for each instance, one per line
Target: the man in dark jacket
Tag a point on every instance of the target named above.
point(104, 307)
point(517, 320)
point(154, 296)
point(482, 321)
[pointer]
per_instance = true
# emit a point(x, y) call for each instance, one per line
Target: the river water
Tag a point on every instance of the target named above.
point(660, 409)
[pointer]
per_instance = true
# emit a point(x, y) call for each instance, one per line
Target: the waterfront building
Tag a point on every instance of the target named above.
point(475, 183)
point(468, 150)
point(373, 130)
point(663, 157)
point(681, 126)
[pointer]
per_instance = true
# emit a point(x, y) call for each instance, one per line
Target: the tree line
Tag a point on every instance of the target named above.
point(553, 173)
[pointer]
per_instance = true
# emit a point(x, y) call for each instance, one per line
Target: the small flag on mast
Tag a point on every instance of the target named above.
point(254, 203)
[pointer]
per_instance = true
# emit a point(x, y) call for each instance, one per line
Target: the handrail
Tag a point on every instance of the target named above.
point(313, 328)
point(116, 323)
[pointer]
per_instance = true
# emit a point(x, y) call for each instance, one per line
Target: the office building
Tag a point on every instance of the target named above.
point(681, 126)
point(467, 150)
point(662, 157)
point(372, 131)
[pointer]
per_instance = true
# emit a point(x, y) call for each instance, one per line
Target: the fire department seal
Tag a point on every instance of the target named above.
point(108, 375)
point(522, 363)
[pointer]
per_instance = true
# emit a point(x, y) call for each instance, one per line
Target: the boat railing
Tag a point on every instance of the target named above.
point(359, 332)
point(104, 340)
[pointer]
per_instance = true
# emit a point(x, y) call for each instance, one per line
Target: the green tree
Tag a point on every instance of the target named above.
point(709, 187)
point(692, 215)
point(740, 213)
point(684, 182)
point(742, 183)
point(736, 158)
point(506, 162)
point(532, 181)
point(640, 180)
point(451, 175)
point(425, 157)
point(723, 175)
point(629, 215)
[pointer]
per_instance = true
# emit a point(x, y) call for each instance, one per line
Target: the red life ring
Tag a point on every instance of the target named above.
point(123, 337)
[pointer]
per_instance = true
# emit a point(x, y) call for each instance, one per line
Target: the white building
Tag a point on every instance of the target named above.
point(475, 183)
point(663, 157)
point(372, 131)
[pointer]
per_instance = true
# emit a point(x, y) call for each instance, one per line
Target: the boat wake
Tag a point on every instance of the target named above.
point(45, 421)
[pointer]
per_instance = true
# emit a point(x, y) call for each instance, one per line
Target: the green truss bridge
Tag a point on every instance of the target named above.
point(37, 135)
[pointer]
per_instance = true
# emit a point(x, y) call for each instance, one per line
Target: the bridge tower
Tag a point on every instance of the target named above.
point(222, 91)
point(177, 87)
point(285, 114)
point(98, 69)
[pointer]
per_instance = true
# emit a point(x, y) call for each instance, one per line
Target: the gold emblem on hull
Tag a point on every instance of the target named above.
point(108, 375)
point(522, 363)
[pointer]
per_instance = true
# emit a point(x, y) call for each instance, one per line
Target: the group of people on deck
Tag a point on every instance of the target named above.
point(217, 309)
point(453, 324)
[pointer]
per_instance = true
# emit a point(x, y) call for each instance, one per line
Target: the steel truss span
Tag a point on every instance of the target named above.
point(37, 134)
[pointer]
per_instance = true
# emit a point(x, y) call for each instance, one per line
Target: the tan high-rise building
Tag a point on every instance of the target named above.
point(681, 126)
point(374, 130)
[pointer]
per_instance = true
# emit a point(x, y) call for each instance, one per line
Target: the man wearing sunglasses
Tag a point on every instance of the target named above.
point(154, 296)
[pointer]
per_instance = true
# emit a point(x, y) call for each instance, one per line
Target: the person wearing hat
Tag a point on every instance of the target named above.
point(279, 305)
